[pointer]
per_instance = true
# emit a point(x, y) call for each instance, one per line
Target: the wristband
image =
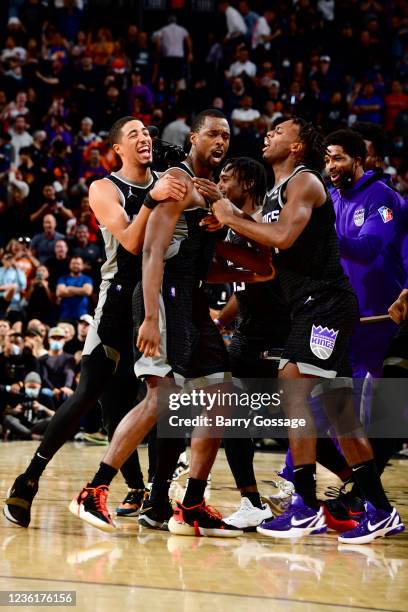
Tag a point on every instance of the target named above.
point(150, 202)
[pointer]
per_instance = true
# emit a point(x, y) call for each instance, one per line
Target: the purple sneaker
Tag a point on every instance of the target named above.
point(375, 524)
point(298, 520)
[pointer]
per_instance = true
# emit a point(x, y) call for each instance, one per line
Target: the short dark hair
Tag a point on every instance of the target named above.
point(199, 119)
point(372, 132)
point(352, 143)
point(251, 174)
point(115, 133)
point(313, 142)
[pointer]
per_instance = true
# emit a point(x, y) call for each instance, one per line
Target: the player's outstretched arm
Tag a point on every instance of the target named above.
point(104, 201)
point(303, 193)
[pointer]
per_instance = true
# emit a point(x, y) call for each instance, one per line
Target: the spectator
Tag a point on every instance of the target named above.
point(236, 27)
point(395, 103)
point(33, 338)
point(250, 17)
point(368, 105)
point(16, 360)
point(267, 34)
point(139, 90)
point(77, 343)
point(42, 245)
point(73, 291)
point(89, 252)
point(242, 66)
point(40, 298)
point(53, 205)
point(12, 283)
point(85, 216)
point(171, 42)
point(57, 368)
point(84, 137)
point(177, 131)
point(23, 258)
point(20, 137)
point(58, 265)
point(245, 116)
point(69, 331)
point(29, 419)
point(92, 168)
point(4, 330)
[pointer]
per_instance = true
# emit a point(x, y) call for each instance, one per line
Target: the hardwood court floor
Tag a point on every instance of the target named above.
point(146, 570)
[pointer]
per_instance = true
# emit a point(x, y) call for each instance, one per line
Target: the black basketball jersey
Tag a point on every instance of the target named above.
point(192, 248)
point(312, 264)
point(120, 265)
point(262, 309)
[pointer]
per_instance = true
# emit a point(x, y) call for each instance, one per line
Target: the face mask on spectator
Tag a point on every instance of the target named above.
point(15, 350)
point(32, 392)
point(56, 345)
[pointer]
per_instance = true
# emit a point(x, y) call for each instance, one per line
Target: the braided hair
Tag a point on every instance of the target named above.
point(313, 144)
point(251, 174)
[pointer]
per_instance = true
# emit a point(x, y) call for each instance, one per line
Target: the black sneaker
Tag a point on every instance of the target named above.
point(132, 504)
point(91, 506)
point(155, 515)
point(17, 507)
point(344, 511)
point(201, 520)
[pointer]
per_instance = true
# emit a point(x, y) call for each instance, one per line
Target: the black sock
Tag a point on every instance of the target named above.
point(104, 475)
point(132, 473)
point(160, 491)
point(37, 466)
point(254, 498)
point(195, 492)
point(305, 483)
point(367, 479)
point(329, 456)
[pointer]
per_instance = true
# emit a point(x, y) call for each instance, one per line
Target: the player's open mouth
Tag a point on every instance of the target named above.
point(334, 178)
point(217, 154)
point(144, 150)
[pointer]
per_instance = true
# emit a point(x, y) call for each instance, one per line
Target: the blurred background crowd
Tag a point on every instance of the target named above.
point(70, 68)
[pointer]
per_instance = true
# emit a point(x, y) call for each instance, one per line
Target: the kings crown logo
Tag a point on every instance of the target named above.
point(322, 341)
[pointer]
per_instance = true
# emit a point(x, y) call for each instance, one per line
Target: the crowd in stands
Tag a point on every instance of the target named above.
point(66, 76)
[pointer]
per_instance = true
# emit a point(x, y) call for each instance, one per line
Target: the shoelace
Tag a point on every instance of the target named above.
point(212, 512)
point(101, 496)
point(334, 492)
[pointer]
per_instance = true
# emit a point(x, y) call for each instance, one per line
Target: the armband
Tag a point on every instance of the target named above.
point(150, 202)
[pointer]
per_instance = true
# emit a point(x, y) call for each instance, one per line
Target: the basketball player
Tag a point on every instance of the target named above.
point(176, 336)
point(122, 203)
point(263, 326)
point(298, 220)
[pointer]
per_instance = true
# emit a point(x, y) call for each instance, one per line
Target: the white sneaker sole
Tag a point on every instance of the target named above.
point(370, 536)
point(7, 514)
point(185, 529)
point(295, 532)
point(79, 512)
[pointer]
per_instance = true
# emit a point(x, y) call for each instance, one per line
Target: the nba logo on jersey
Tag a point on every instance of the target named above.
point(386, 214)
point(358, 217)
point(322, 341)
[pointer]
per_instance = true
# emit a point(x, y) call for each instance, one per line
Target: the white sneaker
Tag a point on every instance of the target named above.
point(281, 496)
point(248, 517)
point(183, 466)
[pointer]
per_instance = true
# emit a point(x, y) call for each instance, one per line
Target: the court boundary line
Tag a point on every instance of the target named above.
point(200, 592)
